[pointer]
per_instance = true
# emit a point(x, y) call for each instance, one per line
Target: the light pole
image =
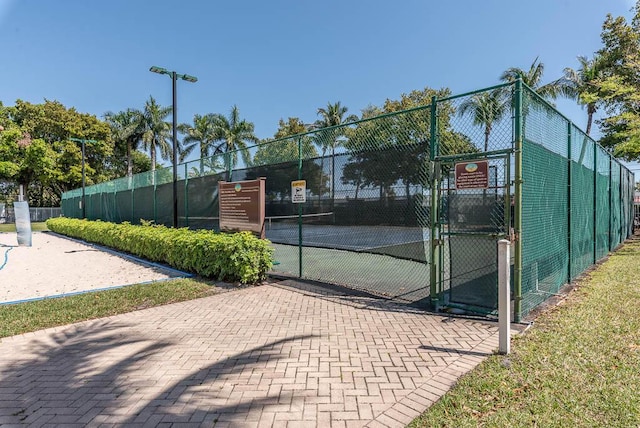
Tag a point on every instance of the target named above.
point(174, 76)
point(83, 141)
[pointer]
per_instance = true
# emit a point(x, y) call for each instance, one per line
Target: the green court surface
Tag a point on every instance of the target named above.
point(386, 276)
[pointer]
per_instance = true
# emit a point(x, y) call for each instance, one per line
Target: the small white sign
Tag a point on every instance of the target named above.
point(299, 192)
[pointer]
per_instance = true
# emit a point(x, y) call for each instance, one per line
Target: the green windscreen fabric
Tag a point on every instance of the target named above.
point(143, 206)
point(616, 207)
point(582, 202)
point(602, 211)
point(201, 202)
point(164, 204)
point(627, 202)
point(544, 224)
point(545, 202)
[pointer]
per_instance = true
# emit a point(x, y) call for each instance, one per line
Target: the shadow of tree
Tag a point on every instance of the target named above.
point(198, 398)
point(60, 370)
point(349, 296)
point(58, 380)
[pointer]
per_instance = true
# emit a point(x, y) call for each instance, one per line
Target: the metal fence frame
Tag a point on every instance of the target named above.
point(37, 214)
point(429, 133)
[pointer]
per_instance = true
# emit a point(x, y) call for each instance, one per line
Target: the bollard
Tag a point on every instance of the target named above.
point(504, 296)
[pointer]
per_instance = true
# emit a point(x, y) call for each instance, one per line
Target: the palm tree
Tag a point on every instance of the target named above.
point(202, 134)
point(486, 108)
point(156, 131)
point(232, 134)
point(532, 78)
point(580, 84)
point(126, 127)
point(332, 115)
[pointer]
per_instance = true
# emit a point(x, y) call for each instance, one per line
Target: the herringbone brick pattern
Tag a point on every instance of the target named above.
point(268, 356)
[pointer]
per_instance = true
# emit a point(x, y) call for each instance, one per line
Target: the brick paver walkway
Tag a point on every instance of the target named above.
point(268, 356)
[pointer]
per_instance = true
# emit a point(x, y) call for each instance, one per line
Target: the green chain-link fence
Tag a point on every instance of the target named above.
point(576, 205)
point(383, 213)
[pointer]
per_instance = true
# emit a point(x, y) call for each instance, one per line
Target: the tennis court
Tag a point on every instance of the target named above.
point(362, 271)
point(317, 231)
point(393, 186)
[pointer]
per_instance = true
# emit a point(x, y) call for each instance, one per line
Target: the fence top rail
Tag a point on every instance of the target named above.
point(478, 91)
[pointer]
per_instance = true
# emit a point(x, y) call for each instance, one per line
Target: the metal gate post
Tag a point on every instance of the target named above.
point(186, 195)
point(434, 235)
point(155, 195)
point(504, 297)
point(595, 203)
point(299, 211)
point(569, 206)
point(517, 209)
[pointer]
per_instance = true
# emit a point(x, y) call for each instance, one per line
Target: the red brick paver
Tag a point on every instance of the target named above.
point(269, 356)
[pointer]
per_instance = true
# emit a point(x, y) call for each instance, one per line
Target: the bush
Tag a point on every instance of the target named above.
point(230, 257)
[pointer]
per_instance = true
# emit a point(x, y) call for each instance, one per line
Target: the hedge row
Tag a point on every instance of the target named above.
point(229, 257)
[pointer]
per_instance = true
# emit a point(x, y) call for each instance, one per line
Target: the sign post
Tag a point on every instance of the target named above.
point(299, 196)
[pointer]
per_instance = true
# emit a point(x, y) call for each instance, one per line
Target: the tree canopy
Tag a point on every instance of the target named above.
point(617, 87)
point(36, 150)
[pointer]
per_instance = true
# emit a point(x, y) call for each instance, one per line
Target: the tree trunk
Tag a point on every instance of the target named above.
point(487, 132)
point(202, 156)
point(590, 111)
point(320, 191)
point(129, 162)
point(152, 154)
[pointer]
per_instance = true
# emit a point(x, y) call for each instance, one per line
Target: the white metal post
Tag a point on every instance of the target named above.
point(504, 296)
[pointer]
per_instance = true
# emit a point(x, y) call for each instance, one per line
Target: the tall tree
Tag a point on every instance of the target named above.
point(278, 161)
point(28, 162)
point(292, 126)
point(285, 149)
point(232, 135)
point(533, 78)
point(126, 128)
point(52, 124)
point(332, 115)
point(156, 132)
point(200, 135)
point(581, 84)
point(485, 108)
point(619, 85)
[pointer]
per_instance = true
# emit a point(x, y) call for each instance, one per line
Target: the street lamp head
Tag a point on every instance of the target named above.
point(159, 70)
point(188, 78)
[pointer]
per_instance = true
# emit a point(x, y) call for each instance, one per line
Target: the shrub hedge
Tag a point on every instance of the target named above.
point(229, 257)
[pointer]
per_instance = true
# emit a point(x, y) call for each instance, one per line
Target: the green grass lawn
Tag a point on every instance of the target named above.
point(36, 315)
point(578, 366)
point(35, 227)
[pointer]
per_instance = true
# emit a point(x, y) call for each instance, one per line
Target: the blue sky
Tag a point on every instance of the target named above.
point(282, 58)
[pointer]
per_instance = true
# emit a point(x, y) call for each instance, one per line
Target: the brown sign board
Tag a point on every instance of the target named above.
point(472, 175)
point(242, 206)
